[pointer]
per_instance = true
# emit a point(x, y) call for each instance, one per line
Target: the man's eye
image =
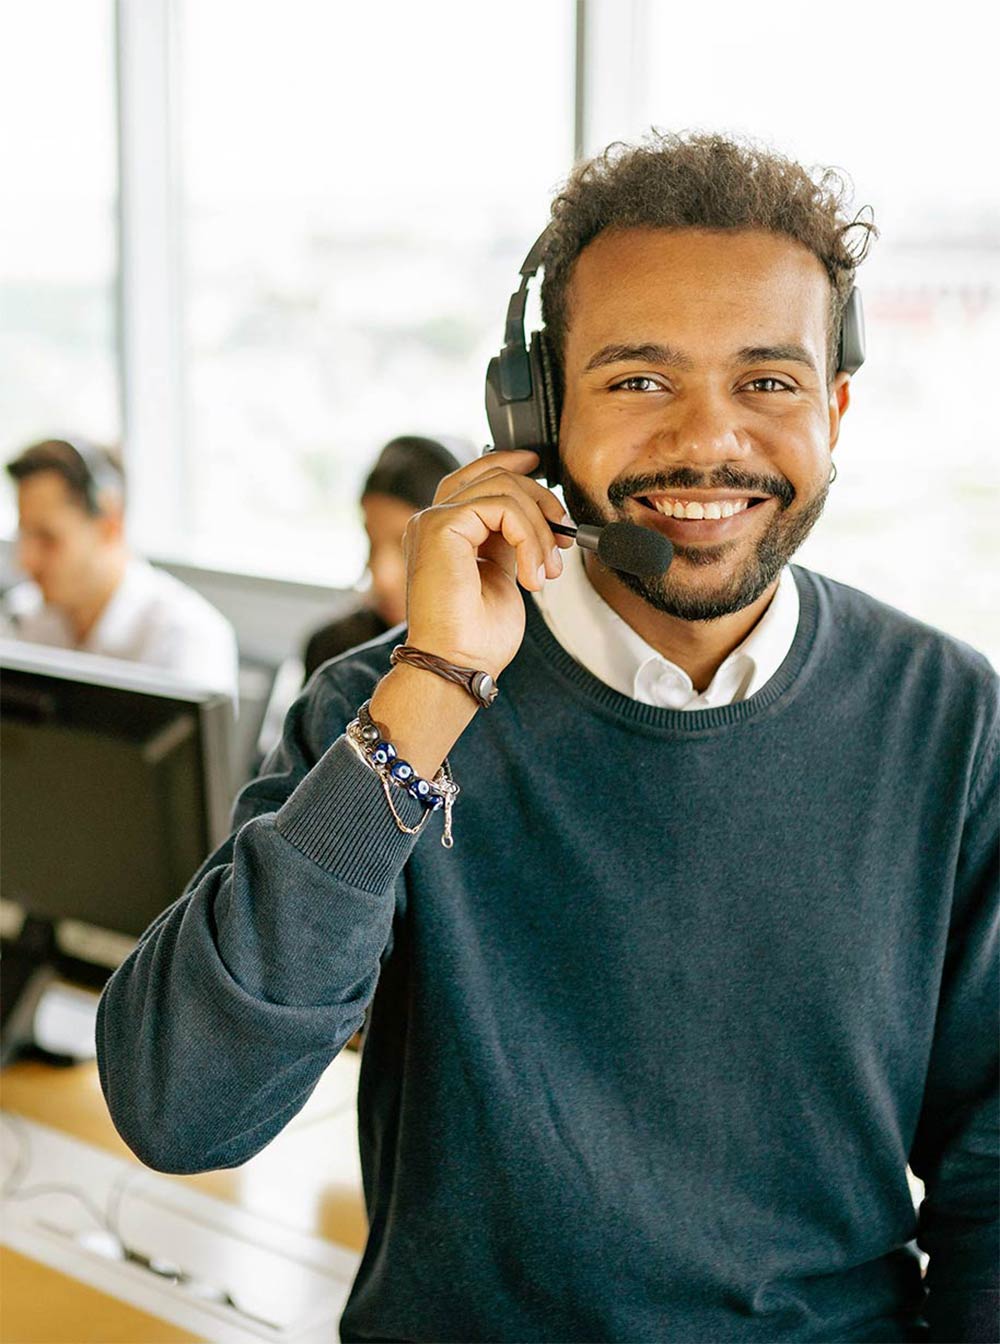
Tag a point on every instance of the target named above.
point(768, 385)
point(639, 382)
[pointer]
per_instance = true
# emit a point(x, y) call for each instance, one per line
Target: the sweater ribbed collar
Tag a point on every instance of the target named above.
point(540, 641)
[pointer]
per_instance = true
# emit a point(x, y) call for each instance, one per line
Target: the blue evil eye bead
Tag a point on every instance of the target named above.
point(383, 753)
point(401, 771)
point(432, 802)
point(418, 788)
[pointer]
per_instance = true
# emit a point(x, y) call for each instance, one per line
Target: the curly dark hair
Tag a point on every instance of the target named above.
point(701, 181)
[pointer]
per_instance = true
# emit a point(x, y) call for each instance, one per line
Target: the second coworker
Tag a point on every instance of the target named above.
point(403, 480)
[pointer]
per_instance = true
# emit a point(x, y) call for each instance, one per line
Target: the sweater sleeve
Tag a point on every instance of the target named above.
point(955, 1152)
point(215, 1030)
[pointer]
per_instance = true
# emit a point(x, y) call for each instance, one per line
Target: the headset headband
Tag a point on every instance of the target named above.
point(101, 473)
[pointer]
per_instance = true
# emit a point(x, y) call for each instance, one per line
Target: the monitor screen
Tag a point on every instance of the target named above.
point(115, 786)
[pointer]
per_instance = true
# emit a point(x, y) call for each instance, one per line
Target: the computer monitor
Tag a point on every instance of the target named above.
point(115, 786)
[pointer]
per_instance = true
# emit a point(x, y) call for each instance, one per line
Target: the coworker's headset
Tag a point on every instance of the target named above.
point(522, 390)
point(101, 474)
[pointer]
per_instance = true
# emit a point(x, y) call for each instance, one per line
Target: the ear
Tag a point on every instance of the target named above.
point(840, 399)
point(111, 522)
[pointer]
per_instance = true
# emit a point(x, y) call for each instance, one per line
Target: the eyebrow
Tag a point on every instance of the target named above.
point(640, 354)
point(763, 354)
point(651, 353)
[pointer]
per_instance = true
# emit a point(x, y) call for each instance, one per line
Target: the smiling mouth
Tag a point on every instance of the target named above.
point(684, 509)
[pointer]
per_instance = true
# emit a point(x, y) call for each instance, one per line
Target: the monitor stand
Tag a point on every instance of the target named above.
point(28, 968)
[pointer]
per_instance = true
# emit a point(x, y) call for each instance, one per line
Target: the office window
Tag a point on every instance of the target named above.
point(359, 187)
point(58, 225)
point(906, 108)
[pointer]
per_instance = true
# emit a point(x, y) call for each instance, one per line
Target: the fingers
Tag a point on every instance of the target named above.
point(491, 476)
point(516, 460)
point(522, 527)
point(496, 508)
point(506, 470)
point(449, 530)
point(534, 502)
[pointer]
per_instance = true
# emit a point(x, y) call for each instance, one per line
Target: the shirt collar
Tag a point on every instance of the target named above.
point(597, 637)
point(118, 622)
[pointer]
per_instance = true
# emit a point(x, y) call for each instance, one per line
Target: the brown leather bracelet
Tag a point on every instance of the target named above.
point(480, 685)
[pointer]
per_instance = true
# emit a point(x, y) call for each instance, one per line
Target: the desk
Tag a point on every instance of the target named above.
point(308, 1180)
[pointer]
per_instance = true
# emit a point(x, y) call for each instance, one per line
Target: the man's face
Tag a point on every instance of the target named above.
point(59, 544)
point(695, 383)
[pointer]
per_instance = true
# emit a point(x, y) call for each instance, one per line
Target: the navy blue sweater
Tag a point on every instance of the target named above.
point(649, 1050)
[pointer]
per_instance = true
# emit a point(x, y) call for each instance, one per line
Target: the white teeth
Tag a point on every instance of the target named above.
point(675, 508)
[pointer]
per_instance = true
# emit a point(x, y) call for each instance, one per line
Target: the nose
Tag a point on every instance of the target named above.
point(703, 429)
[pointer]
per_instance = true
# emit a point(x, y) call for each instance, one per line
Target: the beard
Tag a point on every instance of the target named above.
point(668, 593)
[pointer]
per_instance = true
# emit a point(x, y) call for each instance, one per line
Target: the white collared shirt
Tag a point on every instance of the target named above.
point(152, 618)
point(597, 637)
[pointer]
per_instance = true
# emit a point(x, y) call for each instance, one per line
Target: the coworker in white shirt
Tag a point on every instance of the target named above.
point(87, 591)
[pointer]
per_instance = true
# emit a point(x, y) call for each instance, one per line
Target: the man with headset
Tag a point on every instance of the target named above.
point(86, 590)
point(704, 955)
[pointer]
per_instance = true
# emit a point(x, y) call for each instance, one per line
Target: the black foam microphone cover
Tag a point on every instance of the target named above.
point(634, 549)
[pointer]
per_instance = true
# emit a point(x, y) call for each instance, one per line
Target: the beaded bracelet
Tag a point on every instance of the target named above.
point(371, 743)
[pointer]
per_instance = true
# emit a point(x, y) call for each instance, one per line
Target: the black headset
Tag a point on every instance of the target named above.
point(522, 382)
point(100, 472)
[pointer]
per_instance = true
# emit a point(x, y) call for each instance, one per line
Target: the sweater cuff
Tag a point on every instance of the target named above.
point(339, 818)
point(963, 1317)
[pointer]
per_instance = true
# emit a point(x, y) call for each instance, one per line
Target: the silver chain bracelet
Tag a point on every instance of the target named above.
point(442, 791)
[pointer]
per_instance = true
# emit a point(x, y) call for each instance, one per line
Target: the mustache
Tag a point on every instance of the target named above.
point(680, 478)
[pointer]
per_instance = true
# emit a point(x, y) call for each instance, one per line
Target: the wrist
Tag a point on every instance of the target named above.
point(477, 683)
point(424, 714)
point(454, 653)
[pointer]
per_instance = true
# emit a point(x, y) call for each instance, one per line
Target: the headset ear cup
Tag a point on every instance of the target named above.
point(545, 386)
point(515, 422)
point(851, 346)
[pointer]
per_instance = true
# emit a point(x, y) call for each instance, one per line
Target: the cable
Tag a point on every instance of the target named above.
point(13, 1189)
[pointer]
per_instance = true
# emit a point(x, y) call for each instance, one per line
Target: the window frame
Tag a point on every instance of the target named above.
point(149, 289)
